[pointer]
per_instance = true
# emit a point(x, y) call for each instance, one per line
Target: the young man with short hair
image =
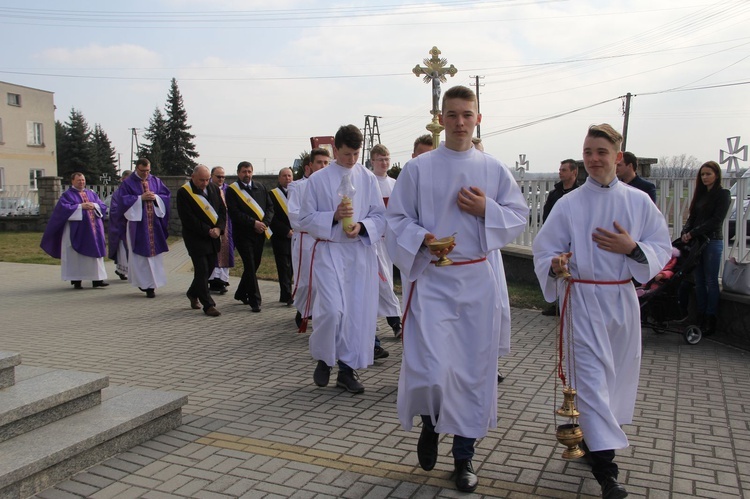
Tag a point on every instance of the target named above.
point(302, 243)
point(344, 263)
point(422, 145)
point(388, 304)
point(603, 234)
point(453, 331)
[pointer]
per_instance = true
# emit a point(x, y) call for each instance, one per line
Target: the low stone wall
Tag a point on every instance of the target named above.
point(22, 224)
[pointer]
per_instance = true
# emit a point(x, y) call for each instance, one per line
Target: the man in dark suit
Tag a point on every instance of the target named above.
point(281, 240)
point(626, 172)
point(251, 212)
point(203, 218)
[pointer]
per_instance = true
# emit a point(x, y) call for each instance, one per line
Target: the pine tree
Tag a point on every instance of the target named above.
point(179, 149)
point(74, 153)
point(156, 134)
point(104, 157)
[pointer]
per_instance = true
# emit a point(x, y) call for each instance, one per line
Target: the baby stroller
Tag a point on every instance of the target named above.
point(660, 310)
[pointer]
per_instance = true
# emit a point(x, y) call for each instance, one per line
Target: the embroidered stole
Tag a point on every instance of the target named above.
point(203, 203)
point(252, 204)
point(281, 198)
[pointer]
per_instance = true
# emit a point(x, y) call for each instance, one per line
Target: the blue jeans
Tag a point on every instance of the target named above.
point(706, 277)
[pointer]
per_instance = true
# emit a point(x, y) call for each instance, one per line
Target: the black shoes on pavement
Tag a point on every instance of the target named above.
point(612, 490)
point(427, 448)
point(322, 374)
point(347, 379)
point(466, 478)
point(100, 284)
point(381, 353)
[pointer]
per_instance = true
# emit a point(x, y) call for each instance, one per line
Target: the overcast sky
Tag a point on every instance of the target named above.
point(259, 78)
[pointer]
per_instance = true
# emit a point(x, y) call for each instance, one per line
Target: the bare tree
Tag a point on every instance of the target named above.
point(679, 166)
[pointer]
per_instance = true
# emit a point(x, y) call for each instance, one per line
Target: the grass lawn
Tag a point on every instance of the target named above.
point(23, 247)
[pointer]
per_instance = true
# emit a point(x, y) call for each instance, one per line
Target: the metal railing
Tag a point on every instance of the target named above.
point(18, 200)
point(673, 200)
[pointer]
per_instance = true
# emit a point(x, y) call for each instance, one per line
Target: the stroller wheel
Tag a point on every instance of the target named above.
point(693, 335)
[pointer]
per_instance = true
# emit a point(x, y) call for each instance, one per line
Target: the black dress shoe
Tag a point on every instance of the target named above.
point(612, 490)
point(466, 479)
point(255, 309)
point(122, 276)
point(322, 374)
point(150, 293)
point(244, 300)
point(76, 284)
point(500, 377)
point(100, 284)
point(427, 448)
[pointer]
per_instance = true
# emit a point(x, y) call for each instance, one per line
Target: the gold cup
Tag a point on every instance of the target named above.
point(441, 244)
point(570, 435)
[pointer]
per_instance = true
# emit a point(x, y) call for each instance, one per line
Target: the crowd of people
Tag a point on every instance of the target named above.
point(338, 231)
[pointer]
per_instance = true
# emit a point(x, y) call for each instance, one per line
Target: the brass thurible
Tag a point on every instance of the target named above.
point(570, 435)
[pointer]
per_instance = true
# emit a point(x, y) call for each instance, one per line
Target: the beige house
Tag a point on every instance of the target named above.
point(27, 138)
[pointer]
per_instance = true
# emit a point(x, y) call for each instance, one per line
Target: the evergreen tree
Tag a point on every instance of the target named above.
point(104, 157)
point(156, 134)
point(74, 153)
point(179, 149)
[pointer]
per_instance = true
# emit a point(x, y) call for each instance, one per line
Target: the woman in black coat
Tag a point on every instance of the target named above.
point(706, 215)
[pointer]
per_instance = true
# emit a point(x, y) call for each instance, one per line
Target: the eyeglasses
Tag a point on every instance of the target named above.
point(220, 176)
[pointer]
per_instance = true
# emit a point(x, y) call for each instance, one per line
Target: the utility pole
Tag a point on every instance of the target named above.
point(477, 85)
point(371, 131)
point(625, 122)
point(133, 140)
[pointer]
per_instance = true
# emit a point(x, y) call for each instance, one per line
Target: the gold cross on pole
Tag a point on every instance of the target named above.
point(434, 72)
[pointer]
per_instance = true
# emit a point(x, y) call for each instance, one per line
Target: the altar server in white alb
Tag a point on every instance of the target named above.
point(388, 304)
point(302, 242)
point(344, 264)
point(604, 234)
point(452, 320)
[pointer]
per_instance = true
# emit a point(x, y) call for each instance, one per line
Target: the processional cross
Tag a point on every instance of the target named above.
point(434, 72)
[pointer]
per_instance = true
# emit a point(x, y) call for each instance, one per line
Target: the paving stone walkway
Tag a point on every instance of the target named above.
point(257, 427)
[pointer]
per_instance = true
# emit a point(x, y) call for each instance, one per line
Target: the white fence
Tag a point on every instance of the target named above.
point(18, 200)
point(673, 199)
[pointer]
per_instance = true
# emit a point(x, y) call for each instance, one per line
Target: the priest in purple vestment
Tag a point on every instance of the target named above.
point(75, 234)
point(144, 202)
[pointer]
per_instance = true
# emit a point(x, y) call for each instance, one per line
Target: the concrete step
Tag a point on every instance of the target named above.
point(8, 363)
point(36, 460)
point(41, 396)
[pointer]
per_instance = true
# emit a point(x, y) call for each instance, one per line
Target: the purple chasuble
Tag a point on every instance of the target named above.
point(86, 235)
point(149, 235)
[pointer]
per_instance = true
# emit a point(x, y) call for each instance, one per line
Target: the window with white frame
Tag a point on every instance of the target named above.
point(14, 99)
point(34, 133)
point(34, 175)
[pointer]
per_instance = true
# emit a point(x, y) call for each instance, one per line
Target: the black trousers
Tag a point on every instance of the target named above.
point(203, 266)
point(602, 463)
point(247, 289)
point(284, 269)
point(463, 447)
